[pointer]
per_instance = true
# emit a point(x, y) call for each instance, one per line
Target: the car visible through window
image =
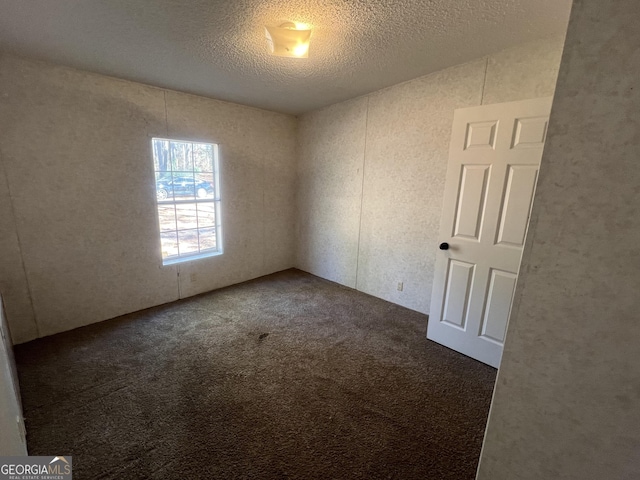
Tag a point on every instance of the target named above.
point(182, 186)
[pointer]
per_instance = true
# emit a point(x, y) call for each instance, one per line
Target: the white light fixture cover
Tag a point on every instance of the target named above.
point(287, 41)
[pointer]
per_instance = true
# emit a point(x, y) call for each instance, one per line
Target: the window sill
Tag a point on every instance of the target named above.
point(173, 261)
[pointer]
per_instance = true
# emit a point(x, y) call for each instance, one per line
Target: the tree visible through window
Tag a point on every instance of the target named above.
point(188, 199)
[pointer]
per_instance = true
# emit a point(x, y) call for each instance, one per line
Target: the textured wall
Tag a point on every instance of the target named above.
point(76, 152)
point(84, 261)
point(529, 71)
point(379, 229)
point(567, 395)
point(13, 281)
point(257, 150)
point(330, 146)
point(408, 135)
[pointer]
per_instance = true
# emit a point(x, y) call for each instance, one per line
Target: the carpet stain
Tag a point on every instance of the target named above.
point(352, 389)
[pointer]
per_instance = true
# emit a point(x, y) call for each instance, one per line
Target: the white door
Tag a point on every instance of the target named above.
point(493, 167)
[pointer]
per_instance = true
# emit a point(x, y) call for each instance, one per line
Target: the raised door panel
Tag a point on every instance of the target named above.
point(497, 305)
point(456, 294)
point(529, 132)
point(516, 204)
point(471, 200)
point(481, 135)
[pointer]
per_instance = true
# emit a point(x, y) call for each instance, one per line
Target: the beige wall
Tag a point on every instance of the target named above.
point(76, 166)
point(567, 395)
point(371, 171)
point(370, 177)
point(13, 281)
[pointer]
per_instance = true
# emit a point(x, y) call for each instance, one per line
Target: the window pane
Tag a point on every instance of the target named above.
point(202, 157)
point(169, 244)
point(187, 216)
point(205, 184)
point(206, 215)
point(207, 238)
point(164, 189)
point(167, 217)
point(181, 156)
point(183, 185)
point(188, 241)
point(161, 161)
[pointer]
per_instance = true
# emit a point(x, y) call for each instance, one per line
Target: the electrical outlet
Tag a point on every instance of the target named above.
point(193, 277)
point(400, 286)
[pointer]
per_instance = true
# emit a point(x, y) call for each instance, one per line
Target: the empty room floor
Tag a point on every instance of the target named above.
point(286, 376)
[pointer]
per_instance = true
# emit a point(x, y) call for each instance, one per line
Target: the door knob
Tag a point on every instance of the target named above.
point(444, 246)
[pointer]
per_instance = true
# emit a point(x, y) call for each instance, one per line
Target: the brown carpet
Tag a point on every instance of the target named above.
point(287, 376)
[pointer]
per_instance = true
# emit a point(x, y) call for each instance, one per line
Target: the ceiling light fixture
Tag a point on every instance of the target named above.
point(289, 40)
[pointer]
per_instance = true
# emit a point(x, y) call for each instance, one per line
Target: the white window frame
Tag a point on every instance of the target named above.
point(190, 256)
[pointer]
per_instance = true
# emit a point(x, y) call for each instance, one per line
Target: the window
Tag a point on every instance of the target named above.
point(188, 199)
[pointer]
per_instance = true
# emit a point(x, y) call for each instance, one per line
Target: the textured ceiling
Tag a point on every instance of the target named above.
point(217, 48)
